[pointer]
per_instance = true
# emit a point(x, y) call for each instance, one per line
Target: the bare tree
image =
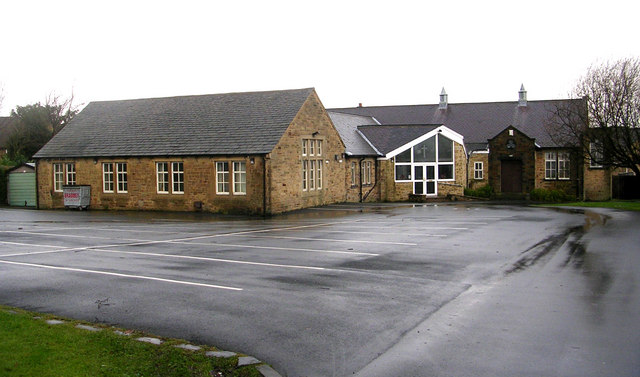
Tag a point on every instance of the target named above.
point(36, 124)
point(603, 119)
point(60, 111)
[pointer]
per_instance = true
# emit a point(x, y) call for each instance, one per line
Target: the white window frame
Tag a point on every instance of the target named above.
point(365, 171)
point(353, 174)
point(412, 164)
point(177, 177)
point(304, 147)
point(239, 178)
point(312, 174)
point(122, 183)
point(318, 147)
point(58, 177)
point(222, 177)
point(70, 174)
point(550, 165)
point(305, 169)
point(564, 165)
point(312, 147)
point(108, 178)
point(162, 177)
point(478, 170)
point(319, 175)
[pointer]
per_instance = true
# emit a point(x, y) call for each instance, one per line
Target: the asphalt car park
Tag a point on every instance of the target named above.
point(319, 292)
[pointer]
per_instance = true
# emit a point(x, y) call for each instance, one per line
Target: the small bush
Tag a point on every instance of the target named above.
point(481, 192)
point(552, 196)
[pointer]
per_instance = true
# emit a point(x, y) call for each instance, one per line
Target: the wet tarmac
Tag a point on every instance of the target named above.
point(377, 290)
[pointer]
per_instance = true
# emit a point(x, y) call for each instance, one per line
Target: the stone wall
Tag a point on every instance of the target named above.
point(142, 194)
point(511, 144)
point(597, 183)
point(284, 164)
point(569, 186)
point(369, 191)
point(478, 157)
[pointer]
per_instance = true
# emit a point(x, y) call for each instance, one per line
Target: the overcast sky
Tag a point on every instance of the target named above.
point(374, 52)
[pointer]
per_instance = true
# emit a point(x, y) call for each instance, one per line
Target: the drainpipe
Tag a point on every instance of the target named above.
point(264, 185)
point(37, 191)
point(360, 163)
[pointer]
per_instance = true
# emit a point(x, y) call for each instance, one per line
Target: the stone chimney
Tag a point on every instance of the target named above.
point(444, 100)
point(522, 97)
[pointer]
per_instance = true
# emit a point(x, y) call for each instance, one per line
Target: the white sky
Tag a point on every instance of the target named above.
point(375, 52)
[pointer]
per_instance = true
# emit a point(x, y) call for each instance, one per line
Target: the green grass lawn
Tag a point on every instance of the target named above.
point(31, 347)
point(629, 205)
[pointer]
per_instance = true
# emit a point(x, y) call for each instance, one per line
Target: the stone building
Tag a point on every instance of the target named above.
point(255, 153)
point(277, 151)
point(506, 145)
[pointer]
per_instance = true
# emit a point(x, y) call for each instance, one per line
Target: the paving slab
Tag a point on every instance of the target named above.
point(223, 354)
point(247, 360)
point(88, 328)
point(54, 322)
point(147, 339)
point(189, 347)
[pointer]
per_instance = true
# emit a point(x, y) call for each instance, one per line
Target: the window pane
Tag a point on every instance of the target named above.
point(312, 169)
point(107, 177)
point(305, 168)
point(319, 174)
point(418, 173)
point(58, 177)
point(445, 149)
point(550, 165)
point(162, 173)
point(445, 171)
point(304, 147)
point(177, 171)
point(319, 148)
point(425, 151)
point(71, 174)
point(353, 174)
point(563, 165)
point(122, 176)
point(403, 172)
point(478, 172)
point(431, 172)
point(222, 177)
point(239, 177)
point(418, 187)
point(404, 156)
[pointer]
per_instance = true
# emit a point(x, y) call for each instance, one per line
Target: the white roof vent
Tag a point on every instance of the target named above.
point(444, 100)
point(522, 97)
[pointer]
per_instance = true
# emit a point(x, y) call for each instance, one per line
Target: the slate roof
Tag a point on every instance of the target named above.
point(389, 138)
point(477, 122)
point(216, 124)
point(347, 126)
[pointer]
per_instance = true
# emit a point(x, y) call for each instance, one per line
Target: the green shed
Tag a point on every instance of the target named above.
point(21, 186)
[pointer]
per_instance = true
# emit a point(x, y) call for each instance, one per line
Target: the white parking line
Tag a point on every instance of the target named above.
point(121, 275)
point(29, 244)
point(404, 227)
point(333, 240)
point(276, 248)
point(386, 233)
point(68, 235)
point(211, 259)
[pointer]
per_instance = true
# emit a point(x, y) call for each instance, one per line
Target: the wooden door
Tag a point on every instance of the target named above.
point(511, 176)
